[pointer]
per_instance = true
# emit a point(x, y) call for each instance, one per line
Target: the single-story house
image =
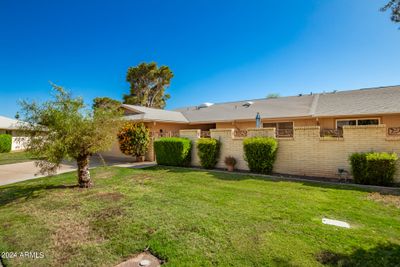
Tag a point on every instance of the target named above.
point(316, 132)
point(331, 111)
point(11, 127)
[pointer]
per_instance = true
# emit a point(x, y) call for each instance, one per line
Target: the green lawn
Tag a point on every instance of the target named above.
point(196, 218)
point(15, 157)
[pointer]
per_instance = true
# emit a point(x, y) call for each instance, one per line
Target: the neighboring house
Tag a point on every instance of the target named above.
point(331, 111)
point(11, 127)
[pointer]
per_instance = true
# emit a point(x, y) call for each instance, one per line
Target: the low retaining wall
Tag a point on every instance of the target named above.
point(19, 143)
point(306, 153)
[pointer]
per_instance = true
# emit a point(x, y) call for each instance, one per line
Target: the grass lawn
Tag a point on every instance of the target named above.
point(196, 218)
point(15, 157)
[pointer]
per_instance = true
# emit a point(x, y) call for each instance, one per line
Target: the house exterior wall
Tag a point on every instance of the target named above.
point(388, 120)
point(285, 165)
point(175, 127)
point(19, 140)
point(306, 154)
point(243, 125)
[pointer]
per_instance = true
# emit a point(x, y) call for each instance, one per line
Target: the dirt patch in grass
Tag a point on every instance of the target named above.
point(109, 213)
point(104, 174)
point(109, 196)
point(107, 221)
point(68, 236)
point(387, 199)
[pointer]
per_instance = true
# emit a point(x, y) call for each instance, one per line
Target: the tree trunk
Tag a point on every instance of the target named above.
point(83, 171)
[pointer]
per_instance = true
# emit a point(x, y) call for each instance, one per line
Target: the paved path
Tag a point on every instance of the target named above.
point(16, 172)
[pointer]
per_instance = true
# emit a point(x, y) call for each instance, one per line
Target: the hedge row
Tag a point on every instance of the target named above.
point(5, 143)
point(173, 151)
point(208, 152)
point(260, 152)
point(373, 168)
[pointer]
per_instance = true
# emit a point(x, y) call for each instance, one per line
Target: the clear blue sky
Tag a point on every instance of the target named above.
point(218, 50)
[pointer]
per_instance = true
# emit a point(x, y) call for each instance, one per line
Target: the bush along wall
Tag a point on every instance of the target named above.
point(373, 168)
point(5, 143)
point(173, 151)
point(260, 153)
point(208, 152)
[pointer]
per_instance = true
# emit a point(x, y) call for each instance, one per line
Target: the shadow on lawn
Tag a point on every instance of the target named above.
point(381, 255)
point(240, 176)
point(11, 193)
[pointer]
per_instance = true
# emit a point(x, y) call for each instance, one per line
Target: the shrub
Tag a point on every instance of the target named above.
point(5, 143)
point(134, 139)
point(358, 162)
point(208, 152)
point(173, 151)
point(230, 161)
point(373, 168)
point(260, 153)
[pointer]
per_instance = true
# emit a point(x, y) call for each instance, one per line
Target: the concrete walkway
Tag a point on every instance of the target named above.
point(16, 172)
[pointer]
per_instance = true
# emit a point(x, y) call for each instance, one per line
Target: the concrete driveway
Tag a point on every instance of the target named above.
point(16, 172)
point(12, 173)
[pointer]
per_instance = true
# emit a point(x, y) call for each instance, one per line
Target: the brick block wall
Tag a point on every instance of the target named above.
point(306, 153)
point(192, 135)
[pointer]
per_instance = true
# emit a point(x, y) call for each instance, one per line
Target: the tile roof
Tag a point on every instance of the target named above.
point(380, 100)
point(294, 106)
point(153, 114)
point(8, 123)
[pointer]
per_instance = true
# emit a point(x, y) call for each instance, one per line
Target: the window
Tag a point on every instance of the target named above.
point(283, 129)
point(341, 123)
point(279, 125)
point(368, 122)
point(9, 132)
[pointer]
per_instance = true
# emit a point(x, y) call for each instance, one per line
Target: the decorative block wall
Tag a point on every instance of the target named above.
point(306, 153)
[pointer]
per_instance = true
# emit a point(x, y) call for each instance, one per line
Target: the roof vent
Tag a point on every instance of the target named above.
point(248, 104)
point(205, 105)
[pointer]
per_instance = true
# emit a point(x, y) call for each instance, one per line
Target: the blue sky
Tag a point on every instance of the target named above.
point(218, 50)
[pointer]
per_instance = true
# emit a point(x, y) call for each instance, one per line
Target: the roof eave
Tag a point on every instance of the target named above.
point(355, 115)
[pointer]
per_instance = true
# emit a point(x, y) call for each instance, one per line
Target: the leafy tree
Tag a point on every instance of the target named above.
point(17, 115)
point(63, 128)
point(105, 102)
point(394, 7)
point(273, 95)
point(134, 139)
point(147, 85)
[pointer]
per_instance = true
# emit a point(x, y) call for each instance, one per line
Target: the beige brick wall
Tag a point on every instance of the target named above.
point(306, 153)
point(192, 135)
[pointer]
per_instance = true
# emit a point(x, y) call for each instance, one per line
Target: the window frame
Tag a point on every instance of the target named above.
point(357, 119)
point(276, 124)
point(277, 128)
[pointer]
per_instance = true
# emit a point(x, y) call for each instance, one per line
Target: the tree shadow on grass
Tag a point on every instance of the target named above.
point(12, 193)
point(240, 176)
point(382, 255)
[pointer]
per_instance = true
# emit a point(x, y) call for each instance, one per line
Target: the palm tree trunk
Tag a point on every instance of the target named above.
point(83, 171)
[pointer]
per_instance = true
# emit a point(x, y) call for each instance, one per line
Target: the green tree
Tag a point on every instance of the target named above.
point(105, 102)
point(394, 7)
point(273, 95)
point(134, 139)
point(63, 128)
point(147, 85)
